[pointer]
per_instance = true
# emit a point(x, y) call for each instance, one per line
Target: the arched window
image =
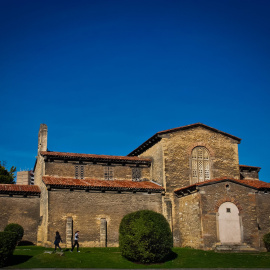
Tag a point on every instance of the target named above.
point(200, 164)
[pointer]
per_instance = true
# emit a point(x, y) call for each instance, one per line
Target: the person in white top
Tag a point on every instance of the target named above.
point(76, 242)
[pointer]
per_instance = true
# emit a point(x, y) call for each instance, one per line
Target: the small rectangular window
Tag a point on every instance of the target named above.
point(136, 174)
point(108, 173)
point(228, 210)
point(79, 171)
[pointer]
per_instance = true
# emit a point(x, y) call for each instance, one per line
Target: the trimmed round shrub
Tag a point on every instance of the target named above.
point(145, 236)
point(266, 240)
point(8, 241)
point(16, 228)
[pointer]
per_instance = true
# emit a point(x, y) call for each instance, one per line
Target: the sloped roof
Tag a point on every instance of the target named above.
point(14, 189)
point(256, 184)
point(97, 158)
point(251, 168)
point(94, 184)
point(158, 136)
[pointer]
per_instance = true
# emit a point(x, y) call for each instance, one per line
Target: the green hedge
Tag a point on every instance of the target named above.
point(266, 240)
point(8, 241)
point(16, 228)
point(145, 237)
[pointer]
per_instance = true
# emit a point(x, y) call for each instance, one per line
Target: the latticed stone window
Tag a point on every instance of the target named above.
point(108, 173)
point(200, 164)
point(136, 174)
point(79, 171)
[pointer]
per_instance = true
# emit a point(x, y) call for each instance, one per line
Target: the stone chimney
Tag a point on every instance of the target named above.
point(42, 138)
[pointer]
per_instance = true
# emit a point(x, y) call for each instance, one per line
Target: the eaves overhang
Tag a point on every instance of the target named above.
point(95, 158)
point(101, 185)
point(25, 190)
point(249, 168)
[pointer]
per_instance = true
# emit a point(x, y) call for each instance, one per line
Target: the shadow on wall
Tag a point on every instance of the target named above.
point(25, 243)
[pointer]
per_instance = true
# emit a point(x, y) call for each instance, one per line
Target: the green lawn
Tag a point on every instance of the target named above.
point(36, 257)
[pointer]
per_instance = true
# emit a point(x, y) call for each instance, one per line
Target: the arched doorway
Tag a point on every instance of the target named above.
point(229, 224)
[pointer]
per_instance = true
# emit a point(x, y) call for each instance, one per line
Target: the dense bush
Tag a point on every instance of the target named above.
point(16, 228)
point(266, 240)
point(145, 237)
point(8, 241)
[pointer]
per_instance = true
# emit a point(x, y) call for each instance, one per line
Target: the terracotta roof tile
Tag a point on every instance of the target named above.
point(96, 157)
point(94, 184)
point(249, 167)
point(19, 189)
point(257, 184)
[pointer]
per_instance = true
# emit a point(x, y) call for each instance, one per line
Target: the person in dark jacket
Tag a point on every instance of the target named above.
point(57, 241)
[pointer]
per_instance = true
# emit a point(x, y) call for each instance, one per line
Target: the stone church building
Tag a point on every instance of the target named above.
point(190, 174)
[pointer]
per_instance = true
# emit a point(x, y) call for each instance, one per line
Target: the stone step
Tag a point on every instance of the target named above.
point(234, 248)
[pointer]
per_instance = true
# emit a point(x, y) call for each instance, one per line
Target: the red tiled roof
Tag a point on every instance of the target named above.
point(93, 184)
point(257, 184)
point(251, 167)
point(19, 189)
point(96, 157)
point(155, 138)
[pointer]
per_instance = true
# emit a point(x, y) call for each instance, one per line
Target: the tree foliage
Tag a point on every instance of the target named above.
point(8, 242)
point(7, 177)
point(266, 240)
point(145, 236)
point(17, 229)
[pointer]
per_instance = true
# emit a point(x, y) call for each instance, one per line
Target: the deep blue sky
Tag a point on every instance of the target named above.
point(107, 75)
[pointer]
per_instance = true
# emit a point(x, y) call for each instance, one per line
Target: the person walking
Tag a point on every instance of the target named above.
point(76, 243)
point(57, 241)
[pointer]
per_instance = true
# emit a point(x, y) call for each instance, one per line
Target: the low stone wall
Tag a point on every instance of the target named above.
point(23, 211)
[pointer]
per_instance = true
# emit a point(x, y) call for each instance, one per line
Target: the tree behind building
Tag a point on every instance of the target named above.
point(7, 177)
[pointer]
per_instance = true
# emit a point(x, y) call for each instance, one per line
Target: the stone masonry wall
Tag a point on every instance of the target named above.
point(263, 200)
point(223, 155)
point(95, 171)
point(157, 168)
point(189, 221)
point(43, 210)
point(252, 175)
point(212, 196)
point(21, 210)
point(89, 209)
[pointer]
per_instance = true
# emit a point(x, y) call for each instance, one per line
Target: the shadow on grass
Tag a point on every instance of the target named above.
point(170, 257)
point(18, 259)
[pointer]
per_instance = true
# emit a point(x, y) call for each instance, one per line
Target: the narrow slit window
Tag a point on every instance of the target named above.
point(79, 171)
